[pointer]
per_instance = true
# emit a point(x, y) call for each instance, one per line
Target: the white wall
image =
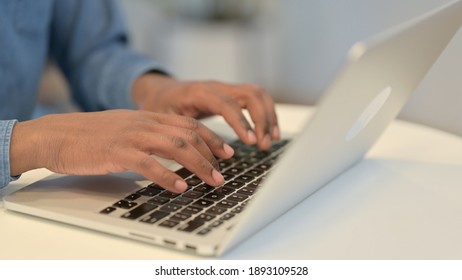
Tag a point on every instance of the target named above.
point(315, 35)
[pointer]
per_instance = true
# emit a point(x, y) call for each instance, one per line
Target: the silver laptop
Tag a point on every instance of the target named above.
point(377, 79)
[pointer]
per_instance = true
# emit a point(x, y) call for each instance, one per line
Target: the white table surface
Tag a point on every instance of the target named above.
point(403, 201)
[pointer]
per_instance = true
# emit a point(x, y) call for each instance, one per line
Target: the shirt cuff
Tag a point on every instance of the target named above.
point(6, 129)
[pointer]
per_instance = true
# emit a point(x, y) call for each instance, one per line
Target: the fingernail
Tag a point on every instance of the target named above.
point(217, 177)
point(228, 149)
point(251, 137)
point(180, 185)
point(276, 133)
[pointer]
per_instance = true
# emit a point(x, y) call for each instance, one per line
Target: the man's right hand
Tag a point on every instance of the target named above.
point(118, 140)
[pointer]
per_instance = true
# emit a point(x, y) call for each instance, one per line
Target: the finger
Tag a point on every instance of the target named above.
point(214, 142)
point(271, 109)
point(225, 105)
point(254, 101)
point(192, 137)
point(180, 150)
point(150, 168)
point(262, 112)
point(261, 109)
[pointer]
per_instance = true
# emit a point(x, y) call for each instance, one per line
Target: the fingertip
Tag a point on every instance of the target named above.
point(276, 133)
point(228, 150)
point(180, 186)
point(251, 137)
point(265, 142)
point(217, 177)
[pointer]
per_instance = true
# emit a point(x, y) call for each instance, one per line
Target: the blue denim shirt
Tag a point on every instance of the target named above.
point(88, 41)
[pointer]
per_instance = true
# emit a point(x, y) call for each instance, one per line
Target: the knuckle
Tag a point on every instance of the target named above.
point(194, 137)
point(145, 163)
point(230, 101)
point(204, 165)
point(193, 124)
point(216, 141)
point(179, 142)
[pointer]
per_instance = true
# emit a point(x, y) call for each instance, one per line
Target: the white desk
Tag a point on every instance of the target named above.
point(404, 201)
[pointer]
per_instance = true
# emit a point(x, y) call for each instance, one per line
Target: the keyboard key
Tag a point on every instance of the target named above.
point(204, 231)
point(246, 191)
point(234, 170)
point(223, 190)
point(234, 184)
point(244, 164)
point(203, 203)
point(245, 178)
point(253, 160)
point(229, 161)
point(193, 194)
point(228, 176)
point(139, 211)
point(169, 194)
point(254, 172)
point(191, 210)
point(180, 217)
point(168, 224)
point(184, 173)
point(216, 223)
point(237, 197)
point(154, 217)
point(224, 164)
point(204, 217)
point(108, 210)
point(214, 196)
point(264, 166)
point(204, 188)
point(227, 216)
point(149, 191)
point(191, 225)
point(216, 210)
point(226, 204)
point(279, 144)
point(237, 209)
point(170, 207)
point(254, 184)
point(182, 200)
point(193, 181)
point(133, 196)
point(159, 200)
point(125, 204)
point(155, 186)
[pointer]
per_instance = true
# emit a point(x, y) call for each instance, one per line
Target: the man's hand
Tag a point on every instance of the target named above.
point(160, 93)
point(116, 141)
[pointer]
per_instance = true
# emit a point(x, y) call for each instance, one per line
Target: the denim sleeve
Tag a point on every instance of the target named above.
point(89, 42)
point(6, 128)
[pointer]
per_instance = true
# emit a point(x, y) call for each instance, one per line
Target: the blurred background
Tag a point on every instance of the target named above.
point(292, 48)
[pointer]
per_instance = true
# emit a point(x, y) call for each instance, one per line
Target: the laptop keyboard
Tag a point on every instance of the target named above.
point(202, 208)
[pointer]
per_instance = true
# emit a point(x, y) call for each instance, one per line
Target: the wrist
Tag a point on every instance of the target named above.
point(150, 85)
point(24, 149)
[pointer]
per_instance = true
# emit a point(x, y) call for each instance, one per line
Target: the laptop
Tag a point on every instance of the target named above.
point(376, 80)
